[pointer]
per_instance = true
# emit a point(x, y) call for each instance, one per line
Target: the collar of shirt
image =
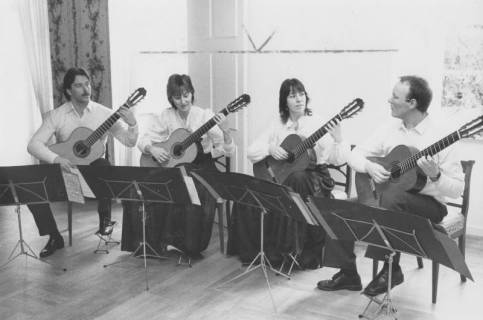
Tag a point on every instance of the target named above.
point(88, 107)
point(421, 127)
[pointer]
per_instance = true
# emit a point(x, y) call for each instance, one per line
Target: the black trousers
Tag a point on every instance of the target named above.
point(340, 254)
point(44, 219)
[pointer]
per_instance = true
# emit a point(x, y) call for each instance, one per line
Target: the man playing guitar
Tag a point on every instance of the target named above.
point(78, 111)
point(414, 127)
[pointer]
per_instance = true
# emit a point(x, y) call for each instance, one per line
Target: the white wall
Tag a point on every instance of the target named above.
point(138, 29)
point(20, 114)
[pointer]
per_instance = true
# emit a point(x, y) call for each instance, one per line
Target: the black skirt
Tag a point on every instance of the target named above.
point(282, 235)
point(187, 227)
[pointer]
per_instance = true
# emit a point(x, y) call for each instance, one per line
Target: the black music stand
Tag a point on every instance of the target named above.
point(143, 184)
point(394, 231)
point(266, 196)
point(30, 184)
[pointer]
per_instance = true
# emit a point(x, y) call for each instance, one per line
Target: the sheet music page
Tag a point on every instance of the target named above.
point(86, 190)
point(303, 208)
point(73, 187)
point(190, 184)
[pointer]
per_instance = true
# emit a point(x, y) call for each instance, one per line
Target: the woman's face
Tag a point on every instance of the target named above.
point(296, 102)
point(183, 101)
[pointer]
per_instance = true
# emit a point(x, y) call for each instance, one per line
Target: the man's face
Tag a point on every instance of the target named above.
point(400, 105)
point(80, 90)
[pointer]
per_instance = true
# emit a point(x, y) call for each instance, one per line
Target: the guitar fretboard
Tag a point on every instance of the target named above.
point(310, 141)
point(195, 136)
point(106, 125)
point(433, 149)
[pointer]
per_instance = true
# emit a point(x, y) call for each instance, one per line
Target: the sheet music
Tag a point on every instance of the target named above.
point(192, 190)
point(73, 187)
point(86, 190)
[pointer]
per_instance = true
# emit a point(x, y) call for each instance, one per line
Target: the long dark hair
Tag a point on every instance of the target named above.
point(176, 84)
point(291, 85)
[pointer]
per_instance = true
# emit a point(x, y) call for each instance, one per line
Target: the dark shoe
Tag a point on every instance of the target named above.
point(379, 284)
point(341, 281)
point(54, 243)
point(106, 228)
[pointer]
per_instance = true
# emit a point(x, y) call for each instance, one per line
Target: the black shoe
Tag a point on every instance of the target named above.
point(106, 228)
point(379, 284)
point(341, 281)
point(54, 243)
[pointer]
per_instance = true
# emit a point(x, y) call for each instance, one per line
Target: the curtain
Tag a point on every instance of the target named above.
point(35, 28)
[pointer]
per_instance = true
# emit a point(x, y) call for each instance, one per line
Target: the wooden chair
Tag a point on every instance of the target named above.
point(454, 224)
point(342, 176)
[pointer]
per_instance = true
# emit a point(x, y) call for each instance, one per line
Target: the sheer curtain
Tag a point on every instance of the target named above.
point(35, 27)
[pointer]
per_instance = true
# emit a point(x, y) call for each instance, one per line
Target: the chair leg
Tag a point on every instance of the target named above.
point(69, 221)
point(221, 208)
point(420, 262)
point(435, 281)
point(375, 265)
point(462, 246)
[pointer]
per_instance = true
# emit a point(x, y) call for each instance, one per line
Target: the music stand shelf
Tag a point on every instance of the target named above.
point(265, 196)
point(28, 185)
point(393, 231)
point(141, 184)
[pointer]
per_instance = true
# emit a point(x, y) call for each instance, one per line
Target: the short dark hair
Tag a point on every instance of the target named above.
point(176, 84)
point(419, 90)
point(290, 85)
point(69, 79)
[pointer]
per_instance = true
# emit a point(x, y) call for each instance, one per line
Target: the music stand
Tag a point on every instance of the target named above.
point(394, 231)
point(143, 184)
point(30, 184)
point(255, 193)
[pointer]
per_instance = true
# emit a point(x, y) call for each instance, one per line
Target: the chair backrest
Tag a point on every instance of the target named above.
point(465, 198)
point(342, 177)
point(223, 163)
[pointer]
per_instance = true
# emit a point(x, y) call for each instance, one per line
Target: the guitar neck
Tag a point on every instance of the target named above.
point(309, 142)
point(433, 149)
point(102, 129)
point(195, 136)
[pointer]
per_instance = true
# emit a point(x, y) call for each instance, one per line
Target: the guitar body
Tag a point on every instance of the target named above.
point(76, 151)
point(412, 180)
point(269, 168)
point(174, 140)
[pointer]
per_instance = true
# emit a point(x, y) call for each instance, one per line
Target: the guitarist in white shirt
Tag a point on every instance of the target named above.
point(78, 111)
point(186, 227)
point(409, 102)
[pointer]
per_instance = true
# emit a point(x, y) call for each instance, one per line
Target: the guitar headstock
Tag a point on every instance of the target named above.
point(352, 108)
point(240, 102)
point(471, 128)
point(135, 97)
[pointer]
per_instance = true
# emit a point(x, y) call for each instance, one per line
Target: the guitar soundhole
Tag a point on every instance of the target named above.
point(177, 150)
point(81, 150)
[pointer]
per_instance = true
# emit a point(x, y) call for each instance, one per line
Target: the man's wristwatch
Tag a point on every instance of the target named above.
point(435, 178)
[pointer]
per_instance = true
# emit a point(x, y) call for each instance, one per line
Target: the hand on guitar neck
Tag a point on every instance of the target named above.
point(429, 167)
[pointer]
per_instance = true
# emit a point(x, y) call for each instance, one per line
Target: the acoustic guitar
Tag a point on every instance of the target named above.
point(83, 145)
point(299, 150)
point(181, 144)
point(401, 162)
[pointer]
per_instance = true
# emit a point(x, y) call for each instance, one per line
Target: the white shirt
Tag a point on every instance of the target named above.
point(383, 140)
point(65, 119)
point(169, 120)
point(326, 149)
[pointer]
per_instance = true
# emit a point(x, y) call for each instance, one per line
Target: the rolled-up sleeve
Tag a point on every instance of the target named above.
point(38, 143)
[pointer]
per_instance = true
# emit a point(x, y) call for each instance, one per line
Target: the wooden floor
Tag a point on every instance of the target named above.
point(30, 289)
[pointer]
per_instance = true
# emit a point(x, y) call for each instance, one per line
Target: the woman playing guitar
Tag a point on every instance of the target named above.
point(294, 117)
point(187, 228)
